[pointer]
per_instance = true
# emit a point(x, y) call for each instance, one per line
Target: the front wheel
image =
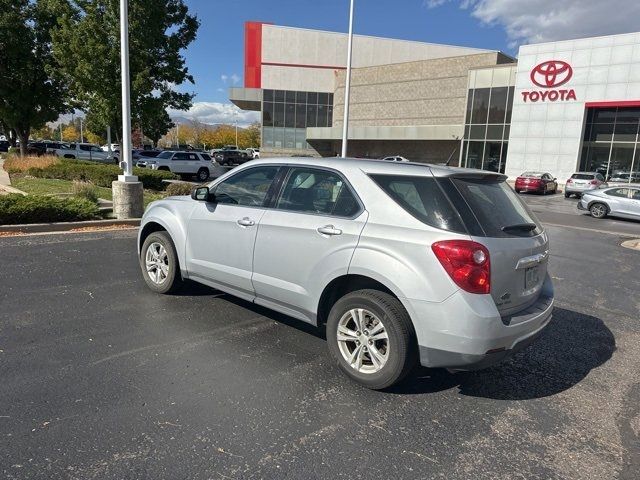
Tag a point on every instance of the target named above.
point(159, 263)
point(566, 195)
point(371, 338)
point(598, 210)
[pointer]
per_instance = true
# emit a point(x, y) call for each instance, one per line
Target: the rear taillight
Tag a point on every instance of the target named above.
point(569, 181)
point(467, 263)
point(593, 182)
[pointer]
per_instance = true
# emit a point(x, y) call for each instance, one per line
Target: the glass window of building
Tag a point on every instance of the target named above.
point(486, 132)
point(287, 114)
point(611, 143)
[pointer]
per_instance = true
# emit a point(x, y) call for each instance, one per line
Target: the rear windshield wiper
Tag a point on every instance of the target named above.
point(525, 227)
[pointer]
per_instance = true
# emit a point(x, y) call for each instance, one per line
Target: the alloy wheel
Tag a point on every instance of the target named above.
point(157, 263)
point(363, 341)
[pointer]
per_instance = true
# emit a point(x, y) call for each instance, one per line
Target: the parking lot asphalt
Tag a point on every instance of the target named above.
point(101, 378)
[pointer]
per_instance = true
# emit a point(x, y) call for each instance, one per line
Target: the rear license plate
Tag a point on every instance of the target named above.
point(531, 278)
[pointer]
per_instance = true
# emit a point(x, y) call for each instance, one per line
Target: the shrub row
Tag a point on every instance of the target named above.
point(16, 209)
point(98, 174)
point(179, 188)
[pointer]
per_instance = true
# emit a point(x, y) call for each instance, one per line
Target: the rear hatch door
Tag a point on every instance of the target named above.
point(518, 246)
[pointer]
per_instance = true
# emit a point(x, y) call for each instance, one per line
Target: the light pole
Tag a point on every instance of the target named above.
point(127, 190)
point(347, 85)
point(235, 116)
point(81, 132)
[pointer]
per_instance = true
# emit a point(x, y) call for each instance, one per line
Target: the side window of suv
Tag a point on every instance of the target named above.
point(310, 190)
point(248, 187)
point(206, 157)
point(86, 148)
point(181, 156)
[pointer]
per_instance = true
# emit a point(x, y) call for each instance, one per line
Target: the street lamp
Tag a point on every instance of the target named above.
point(235, 116)
point(347, 86)
point(127, 190)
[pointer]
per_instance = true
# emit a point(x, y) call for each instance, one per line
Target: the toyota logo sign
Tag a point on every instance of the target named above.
point(551, 74)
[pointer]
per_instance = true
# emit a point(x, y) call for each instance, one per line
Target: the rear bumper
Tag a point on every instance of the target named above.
point(569, 189)
point(466, 332)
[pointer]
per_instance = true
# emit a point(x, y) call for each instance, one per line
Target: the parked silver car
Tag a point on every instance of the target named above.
point(402, 262)
point(581, 182)
point(615, 201)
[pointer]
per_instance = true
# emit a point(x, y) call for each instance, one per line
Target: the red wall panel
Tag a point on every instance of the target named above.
point(253, 54)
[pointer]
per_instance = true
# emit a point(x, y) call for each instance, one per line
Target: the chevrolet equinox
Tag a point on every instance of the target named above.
point(402, 262)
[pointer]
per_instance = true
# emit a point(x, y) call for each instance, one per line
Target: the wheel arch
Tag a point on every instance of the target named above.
point(341, 286)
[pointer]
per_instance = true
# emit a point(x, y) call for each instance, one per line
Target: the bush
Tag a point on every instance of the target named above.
point(15, 164)
point(16, 209)
point(85, 190)
point(179, 188)
point(99, 174)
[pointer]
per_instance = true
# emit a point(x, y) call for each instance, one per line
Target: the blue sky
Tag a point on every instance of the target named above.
point(216, 58)
point(218, 51)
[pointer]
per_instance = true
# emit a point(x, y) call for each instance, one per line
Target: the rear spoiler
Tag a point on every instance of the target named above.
point(477, 175)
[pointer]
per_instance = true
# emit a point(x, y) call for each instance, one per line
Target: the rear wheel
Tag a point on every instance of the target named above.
point(159, 263)
point(598, 210)
point(371, 338)
point(566, 195)
point(203, 174)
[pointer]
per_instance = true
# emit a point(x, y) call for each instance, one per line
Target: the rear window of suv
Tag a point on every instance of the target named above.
point(582, 176)
point(496, 207)
point(481, 206)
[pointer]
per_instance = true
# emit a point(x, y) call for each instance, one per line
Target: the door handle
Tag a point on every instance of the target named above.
point(329, 230)
point(246, 222)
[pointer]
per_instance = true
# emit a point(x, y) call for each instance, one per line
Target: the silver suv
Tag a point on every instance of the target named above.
point(184, 164)
point(402, 262)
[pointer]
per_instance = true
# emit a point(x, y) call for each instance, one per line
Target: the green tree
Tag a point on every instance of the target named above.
point(155, 122)
point(86, 44)
point(29, 97)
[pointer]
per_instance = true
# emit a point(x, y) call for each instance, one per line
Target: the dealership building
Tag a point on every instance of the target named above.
point(560, 107)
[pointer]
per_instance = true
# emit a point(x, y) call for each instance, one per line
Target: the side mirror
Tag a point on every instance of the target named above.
point(554, 179)
point(202, 194)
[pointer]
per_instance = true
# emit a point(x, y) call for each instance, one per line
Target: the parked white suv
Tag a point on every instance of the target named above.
point(253, 153)
point(185, 164)
point(403, 262)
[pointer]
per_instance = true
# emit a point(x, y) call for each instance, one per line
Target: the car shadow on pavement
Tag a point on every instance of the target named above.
point(570, 347)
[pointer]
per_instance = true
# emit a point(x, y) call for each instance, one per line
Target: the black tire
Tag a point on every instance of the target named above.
point(598, 210)
point(402, 356)
point(517, 191)
point(72, 157)
point(173, 282)
point(566, 195)
point(164, 169)
point(203, 174)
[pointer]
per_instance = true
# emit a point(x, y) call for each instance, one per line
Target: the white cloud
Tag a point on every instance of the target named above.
point(235, 79)
point(224, 78)
point(526, 21)
point(214, 112)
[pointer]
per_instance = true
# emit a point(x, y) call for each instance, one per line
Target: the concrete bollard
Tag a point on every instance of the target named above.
point(127, 200)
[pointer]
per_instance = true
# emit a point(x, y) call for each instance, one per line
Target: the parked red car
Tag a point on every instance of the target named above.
point(537, 182)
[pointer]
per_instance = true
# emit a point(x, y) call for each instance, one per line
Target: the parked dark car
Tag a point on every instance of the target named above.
point(4, 146)
point(538, 182)
point(44, 148)
point(232, 157)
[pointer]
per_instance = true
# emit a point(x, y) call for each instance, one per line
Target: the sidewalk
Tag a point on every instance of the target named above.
point(5, 182)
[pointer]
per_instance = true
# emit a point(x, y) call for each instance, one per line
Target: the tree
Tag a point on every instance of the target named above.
point(29, 97)
point(94, 138)
point(156, 121)
point(86, 44)
point(70, 133)
point(251, 136)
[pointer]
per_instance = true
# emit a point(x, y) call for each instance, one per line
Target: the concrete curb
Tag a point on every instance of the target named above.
point(68, 226)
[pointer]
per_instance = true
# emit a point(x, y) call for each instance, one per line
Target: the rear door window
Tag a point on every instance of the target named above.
point(422, 198)
point(311, 190)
